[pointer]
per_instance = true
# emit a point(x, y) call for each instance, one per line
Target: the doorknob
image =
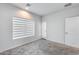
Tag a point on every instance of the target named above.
point(66, 32)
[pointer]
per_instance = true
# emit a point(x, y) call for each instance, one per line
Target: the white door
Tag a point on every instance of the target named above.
point(44, 29)
point(72, 31)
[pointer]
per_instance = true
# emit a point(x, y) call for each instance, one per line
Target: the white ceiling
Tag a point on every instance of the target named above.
point(43, 8)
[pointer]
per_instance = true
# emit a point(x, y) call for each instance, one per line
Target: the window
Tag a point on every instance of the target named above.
point(22, 28)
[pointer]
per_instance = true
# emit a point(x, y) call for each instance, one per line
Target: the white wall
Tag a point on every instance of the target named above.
point(55, 23)
point(6, 14)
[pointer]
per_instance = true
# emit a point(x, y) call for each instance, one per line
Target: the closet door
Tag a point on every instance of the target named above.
point(72, 31)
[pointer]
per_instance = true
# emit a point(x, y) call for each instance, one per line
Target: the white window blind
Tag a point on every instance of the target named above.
point(22, 28)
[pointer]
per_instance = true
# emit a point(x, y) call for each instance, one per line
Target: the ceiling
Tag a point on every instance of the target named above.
point(43, 8)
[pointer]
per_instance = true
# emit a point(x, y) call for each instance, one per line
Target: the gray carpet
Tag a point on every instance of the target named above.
point(42, 47)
